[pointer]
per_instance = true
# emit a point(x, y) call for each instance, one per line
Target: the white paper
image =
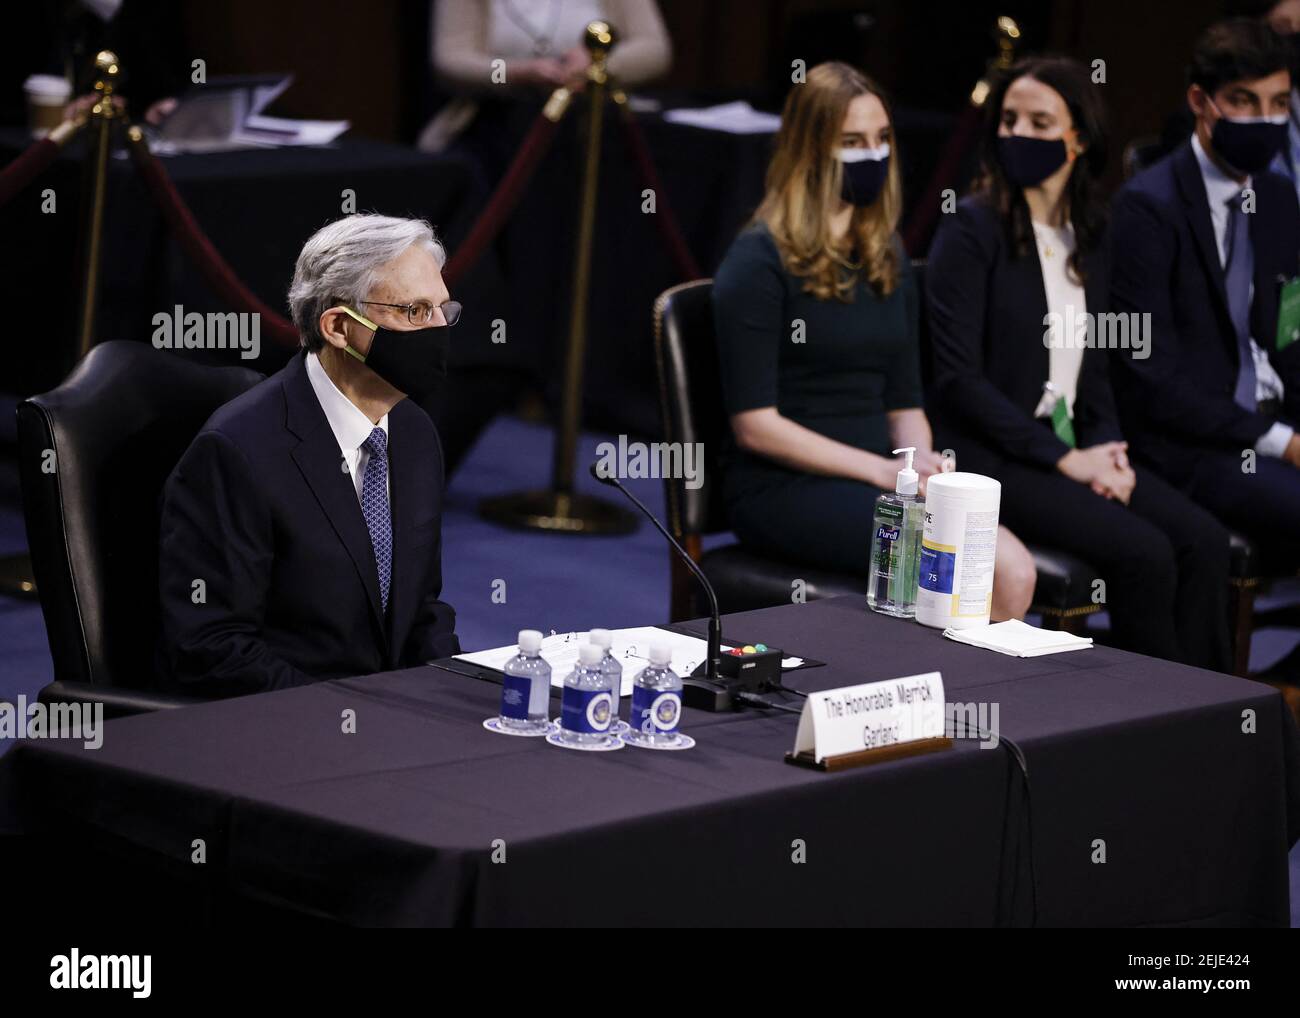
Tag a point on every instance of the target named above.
point(629, 646)
point(1019, 639)
point(872, 715)
point(285, 131)
point(735, 118)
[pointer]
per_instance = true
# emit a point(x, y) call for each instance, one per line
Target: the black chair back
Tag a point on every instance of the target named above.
point(690, 388)
point(94, 454)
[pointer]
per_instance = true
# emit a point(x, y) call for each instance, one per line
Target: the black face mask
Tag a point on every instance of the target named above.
point(414, 362)
point(1027, 162)
point(862, 181)
point(1248, 145)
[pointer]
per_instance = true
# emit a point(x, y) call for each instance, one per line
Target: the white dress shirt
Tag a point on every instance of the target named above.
point(350, 426)
point(1219, 190)
point(1066, 300)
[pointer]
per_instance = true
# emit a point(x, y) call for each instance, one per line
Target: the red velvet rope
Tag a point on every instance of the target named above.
point(215, 269)
point(671, 230)
point(19, 173)
point(503, 201)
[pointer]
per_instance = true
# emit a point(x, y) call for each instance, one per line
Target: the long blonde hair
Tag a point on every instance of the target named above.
point(803, 191)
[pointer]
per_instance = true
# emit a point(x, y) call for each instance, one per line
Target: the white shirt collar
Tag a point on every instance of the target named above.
point(1219, 187)
point(350, 426)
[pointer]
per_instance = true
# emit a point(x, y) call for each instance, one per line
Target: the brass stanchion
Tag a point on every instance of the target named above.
point(16, 574)
point(102, 117)
point(560, 508)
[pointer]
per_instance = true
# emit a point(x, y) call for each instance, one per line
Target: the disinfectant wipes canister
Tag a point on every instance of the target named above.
point(958, 547)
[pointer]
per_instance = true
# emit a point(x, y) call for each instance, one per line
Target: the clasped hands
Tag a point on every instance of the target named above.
point(1104, 468)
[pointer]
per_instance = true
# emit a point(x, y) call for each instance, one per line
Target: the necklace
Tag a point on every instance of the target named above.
point(542, 41)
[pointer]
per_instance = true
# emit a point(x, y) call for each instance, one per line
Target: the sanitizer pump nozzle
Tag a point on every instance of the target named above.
point(908, 479)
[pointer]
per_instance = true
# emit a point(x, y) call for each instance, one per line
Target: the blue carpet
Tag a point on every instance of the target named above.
point(547, 581)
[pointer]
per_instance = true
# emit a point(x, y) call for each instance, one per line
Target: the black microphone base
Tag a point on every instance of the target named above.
point(703, 694)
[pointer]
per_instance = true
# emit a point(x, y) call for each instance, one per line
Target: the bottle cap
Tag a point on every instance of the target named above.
point(530, 641)
point(601, 638)
point(908, 479)
point(661, 654)
point(589, 655)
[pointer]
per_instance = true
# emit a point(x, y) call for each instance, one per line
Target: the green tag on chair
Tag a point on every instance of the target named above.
point(1288, 314)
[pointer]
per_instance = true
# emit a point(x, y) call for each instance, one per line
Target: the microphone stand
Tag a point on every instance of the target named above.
point(711, 691)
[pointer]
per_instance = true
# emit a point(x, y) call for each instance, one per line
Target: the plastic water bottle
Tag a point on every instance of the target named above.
point(526, 691)
point(585, 716)
point(603, 639)
point(657, 704)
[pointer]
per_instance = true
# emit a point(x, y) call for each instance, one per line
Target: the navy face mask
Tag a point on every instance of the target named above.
point(1027, 162)
point(863, 174)
point(1248, 144)
point(414, 362)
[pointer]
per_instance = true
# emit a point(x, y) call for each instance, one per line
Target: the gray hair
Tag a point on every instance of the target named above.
point(339, 262)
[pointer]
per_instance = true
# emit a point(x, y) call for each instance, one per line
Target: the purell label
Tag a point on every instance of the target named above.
point(586, 710)
point(887, 533)
point(655, 712)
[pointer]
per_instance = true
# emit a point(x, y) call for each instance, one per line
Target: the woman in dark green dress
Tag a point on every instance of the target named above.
point(817, 316)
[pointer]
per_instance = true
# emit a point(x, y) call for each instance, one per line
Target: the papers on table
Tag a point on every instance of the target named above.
point(284, 131)
point(227, 113)
point(1019, 639)
point(630, 646)
point(735, 118)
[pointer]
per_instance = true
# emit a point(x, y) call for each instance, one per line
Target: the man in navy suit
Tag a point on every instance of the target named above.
point(1204, 241)
point(301, 531)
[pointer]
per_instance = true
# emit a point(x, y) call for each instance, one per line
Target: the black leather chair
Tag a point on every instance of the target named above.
point(94, 454)
point(691, 401)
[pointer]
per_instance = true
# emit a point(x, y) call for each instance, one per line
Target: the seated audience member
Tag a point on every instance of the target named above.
point(301, 531)
point(816, 311)
point(1202, 243)
point(1283, 16)
point(541, 45)
point(1014, 278)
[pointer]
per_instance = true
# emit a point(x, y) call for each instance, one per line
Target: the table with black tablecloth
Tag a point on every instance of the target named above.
point(1184, 782)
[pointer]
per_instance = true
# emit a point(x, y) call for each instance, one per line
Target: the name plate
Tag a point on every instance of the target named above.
point(873, 716)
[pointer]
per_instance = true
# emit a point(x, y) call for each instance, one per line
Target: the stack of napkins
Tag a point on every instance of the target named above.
point(1018, 639)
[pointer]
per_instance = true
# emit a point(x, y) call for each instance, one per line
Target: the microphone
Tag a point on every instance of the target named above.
point(710, 691)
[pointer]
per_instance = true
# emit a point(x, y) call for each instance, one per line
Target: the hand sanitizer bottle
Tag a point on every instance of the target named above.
point(896, 545)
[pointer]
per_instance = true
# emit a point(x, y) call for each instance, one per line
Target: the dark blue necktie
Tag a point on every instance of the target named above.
point(1238, 271)
point(374, 506)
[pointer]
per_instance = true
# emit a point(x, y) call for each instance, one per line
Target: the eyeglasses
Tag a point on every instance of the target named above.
point(421, 312)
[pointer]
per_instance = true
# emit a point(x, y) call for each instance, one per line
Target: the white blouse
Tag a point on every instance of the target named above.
point(1067, 305)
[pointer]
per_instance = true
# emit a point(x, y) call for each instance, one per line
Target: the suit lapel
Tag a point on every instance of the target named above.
point(1030, 282)
point(1197, 205)
point(318, 457)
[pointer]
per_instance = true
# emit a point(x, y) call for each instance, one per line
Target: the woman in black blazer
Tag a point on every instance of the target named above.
point(1021, 387)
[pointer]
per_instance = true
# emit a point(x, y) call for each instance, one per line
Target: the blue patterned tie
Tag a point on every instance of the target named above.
point(374, 506)
point(1238, 273)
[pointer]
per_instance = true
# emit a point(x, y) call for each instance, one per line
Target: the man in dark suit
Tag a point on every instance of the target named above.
point(301, 530)
point(1203, 242)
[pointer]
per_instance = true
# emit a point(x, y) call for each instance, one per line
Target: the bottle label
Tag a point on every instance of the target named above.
point(936, 568)
point(586, 710)
point(515, 692)
point(655, 711)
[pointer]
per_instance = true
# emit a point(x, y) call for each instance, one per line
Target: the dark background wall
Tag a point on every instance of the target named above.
point(367, 61)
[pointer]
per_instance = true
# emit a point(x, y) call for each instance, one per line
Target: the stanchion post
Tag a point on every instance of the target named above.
point(560, 508)
point(101, 120)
